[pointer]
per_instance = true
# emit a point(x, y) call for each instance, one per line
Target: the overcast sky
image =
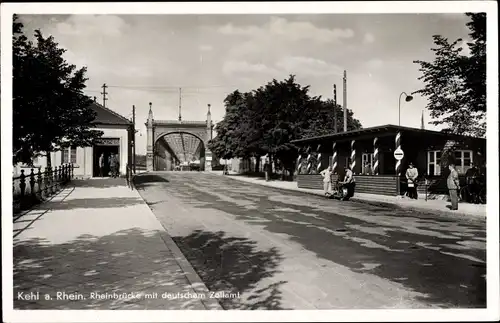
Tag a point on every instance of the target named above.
point(146, 58)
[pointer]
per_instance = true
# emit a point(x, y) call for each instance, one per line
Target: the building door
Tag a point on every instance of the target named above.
point(106, 150)
point(367, 163)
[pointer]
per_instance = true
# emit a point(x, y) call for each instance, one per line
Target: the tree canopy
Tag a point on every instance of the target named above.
point(50, 110)
point(455, 84)
point(267, 120)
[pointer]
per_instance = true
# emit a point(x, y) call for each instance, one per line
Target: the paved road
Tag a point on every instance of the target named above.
point(287, 250)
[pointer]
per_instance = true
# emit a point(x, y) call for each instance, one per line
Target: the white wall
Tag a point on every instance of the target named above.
point(84, 160)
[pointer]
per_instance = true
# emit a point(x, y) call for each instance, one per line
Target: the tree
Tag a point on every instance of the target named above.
point(267, 120)
point(455, 84)
point(50, 111)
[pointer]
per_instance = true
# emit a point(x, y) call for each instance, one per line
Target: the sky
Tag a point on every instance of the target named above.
point(147, 58)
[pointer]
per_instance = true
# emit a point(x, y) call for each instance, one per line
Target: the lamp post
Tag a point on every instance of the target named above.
point(408, 98)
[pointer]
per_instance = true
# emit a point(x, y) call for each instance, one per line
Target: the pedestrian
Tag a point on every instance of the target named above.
point(411, 176)
point(112, 164)
point(101, 165)
point(368, 168)
point(472, 179)
point(327, 180)
point(117, 165)
point(453, 186)
point(266, 169)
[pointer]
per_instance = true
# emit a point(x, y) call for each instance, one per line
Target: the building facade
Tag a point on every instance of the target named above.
point(117, 138)
point(371, 154)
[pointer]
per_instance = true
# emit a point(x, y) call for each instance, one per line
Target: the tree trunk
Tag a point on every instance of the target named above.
point(49, 160)
point(257, 164)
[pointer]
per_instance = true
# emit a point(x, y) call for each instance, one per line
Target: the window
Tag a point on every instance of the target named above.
point(463, 161)
point(65, 156)
point(434, 163)
point(73, 155)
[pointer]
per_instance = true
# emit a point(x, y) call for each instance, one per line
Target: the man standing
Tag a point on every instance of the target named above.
point(101, 165)
point(117, 165)
point(112, 164)
point(453, 186)
point(327, 180)
point(411, 176)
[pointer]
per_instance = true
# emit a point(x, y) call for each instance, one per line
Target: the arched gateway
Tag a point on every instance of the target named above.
point(157, 130)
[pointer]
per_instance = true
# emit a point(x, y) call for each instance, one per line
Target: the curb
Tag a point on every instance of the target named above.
point(192, 277)
point(442, 213)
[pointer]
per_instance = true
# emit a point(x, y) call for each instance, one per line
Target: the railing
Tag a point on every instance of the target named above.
point(30, 189)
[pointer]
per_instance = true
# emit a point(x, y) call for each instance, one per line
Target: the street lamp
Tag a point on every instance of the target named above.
point(408, 98)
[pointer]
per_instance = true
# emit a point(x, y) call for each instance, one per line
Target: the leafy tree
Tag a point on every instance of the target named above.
point(50, 111)
point(267, 120)
point(455, 84)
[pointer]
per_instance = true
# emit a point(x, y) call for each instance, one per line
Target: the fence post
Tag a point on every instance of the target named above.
point(72, 171)
point(32, 183)
point(46, 182)
point(22, 184)
point(39, 181)
point(54, 179)
point(49, 175)
point(60, 176)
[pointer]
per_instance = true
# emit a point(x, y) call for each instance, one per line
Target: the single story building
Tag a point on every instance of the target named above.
point(117, 138)
point(379, 157)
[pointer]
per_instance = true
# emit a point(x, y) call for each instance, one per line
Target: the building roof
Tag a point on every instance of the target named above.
point(107, 116)
point(379, 129)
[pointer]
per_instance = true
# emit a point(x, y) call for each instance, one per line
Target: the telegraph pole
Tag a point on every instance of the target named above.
point(180, 103)
point(133, 136)
point(334, 108)
point(104, 93)
point(345, 101)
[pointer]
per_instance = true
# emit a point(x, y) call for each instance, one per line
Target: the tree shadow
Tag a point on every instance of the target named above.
point(145, 180)
point(93, 203)
point(413, 254)
point(134, 262)
point(234, 265)
point(97, 182)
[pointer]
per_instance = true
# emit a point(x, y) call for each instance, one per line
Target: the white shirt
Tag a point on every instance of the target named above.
point(326, 175)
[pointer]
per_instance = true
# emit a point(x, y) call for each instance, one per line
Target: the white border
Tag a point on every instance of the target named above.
point(492, 311)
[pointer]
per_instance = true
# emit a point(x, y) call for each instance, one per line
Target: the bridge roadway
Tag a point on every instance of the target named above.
point(287, 250)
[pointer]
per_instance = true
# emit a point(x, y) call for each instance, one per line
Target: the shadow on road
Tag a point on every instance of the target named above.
point(442, 260)
point(233, 265)
point(129, 261)
point(100, 182)
point(92, 203)
point(146, 180)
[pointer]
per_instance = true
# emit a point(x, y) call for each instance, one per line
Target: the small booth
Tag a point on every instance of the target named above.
point(379, 157)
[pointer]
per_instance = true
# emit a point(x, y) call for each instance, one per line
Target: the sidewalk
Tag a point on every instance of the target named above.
point(465, 209)
point(97, 245)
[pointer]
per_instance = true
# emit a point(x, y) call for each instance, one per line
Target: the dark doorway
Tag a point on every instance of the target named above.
point(106, 150)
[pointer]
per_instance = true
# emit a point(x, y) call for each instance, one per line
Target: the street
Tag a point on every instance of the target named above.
point(264, 248)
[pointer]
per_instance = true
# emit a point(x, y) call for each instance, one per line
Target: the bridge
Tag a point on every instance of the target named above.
point(176, 142)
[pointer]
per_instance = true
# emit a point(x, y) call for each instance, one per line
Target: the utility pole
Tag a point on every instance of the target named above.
point(133, 136)
point(345, 101)
point(104, 93)
point(180, 103)
point(334, 108)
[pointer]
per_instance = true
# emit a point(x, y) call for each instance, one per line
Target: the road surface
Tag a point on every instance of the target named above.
point(267, 248)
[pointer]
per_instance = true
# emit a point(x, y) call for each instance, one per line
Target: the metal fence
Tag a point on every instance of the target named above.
point(33, 187)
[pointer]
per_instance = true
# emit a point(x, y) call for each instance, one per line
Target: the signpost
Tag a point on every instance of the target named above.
point(399, 154)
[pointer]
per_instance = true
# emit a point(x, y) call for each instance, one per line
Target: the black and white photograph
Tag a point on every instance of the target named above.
point(250, 161)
